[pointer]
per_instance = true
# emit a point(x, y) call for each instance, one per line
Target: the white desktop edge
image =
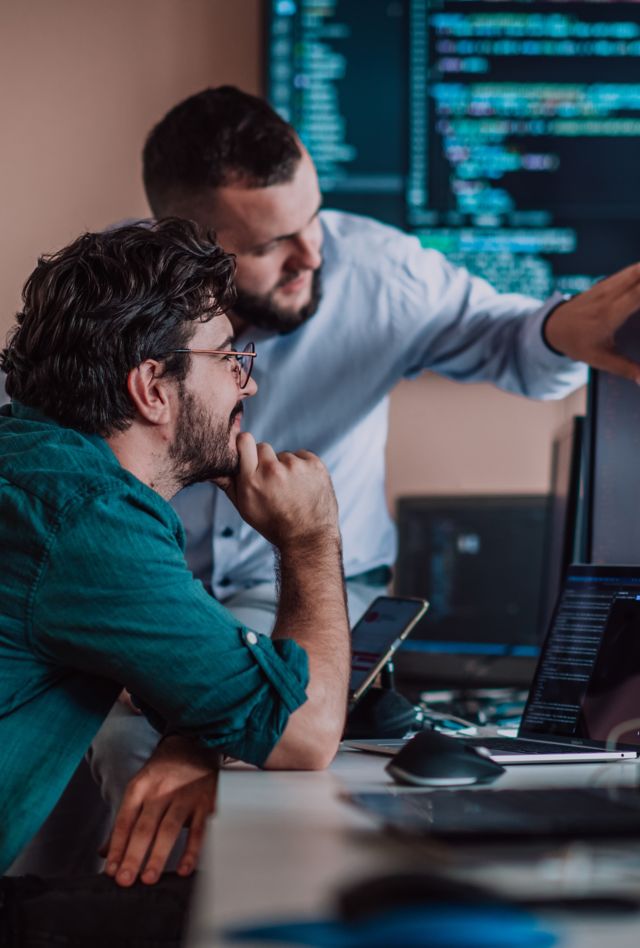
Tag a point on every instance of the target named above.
point(282, 844)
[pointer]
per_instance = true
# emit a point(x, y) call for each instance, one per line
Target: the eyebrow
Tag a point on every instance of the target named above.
point(274, 240)
point(223, 345)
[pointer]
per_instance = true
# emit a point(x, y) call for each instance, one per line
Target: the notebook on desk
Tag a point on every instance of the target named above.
point(584, 702)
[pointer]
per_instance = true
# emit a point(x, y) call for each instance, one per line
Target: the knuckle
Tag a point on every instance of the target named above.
point(136, 789)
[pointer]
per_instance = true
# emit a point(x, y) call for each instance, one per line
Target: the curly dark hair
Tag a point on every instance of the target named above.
point(217, 137)
point(100, 307)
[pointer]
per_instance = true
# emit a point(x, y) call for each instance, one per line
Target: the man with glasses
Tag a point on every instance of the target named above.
point(127, 386)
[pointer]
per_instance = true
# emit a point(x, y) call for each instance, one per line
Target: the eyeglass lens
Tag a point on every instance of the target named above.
point(245, 362)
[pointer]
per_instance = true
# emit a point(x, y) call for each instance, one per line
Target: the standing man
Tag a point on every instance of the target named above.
point(343, 308)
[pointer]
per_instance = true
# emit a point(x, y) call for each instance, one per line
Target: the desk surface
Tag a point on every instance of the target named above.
point(282, 845)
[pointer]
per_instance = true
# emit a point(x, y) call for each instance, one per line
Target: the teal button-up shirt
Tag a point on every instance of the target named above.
point(95, 595)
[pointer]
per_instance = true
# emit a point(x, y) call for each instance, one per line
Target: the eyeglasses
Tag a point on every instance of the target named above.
point(242, 361)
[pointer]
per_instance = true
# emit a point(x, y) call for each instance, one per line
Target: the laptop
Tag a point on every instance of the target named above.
point(584, 702)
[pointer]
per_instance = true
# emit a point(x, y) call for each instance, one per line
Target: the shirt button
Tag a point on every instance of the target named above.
point(227, 532)
point(225, 581)
point(252, 638)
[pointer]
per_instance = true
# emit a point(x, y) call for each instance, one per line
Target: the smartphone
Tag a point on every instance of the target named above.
point(376, 636)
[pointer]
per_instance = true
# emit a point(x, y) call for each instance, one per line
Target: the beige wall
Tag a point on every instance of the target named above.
point(81, 81)
point(452, 438)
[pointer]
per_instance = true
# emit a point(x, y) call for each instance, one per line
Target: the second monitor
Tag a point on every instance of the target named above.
point(480, 561)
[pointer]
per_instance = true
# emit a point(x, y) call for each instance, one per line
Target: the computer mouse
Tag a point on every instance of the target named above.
point(431, 759)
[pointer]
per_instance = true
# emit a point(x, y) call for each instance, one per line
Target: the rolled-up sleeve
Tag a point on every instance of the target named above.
point(115, 598)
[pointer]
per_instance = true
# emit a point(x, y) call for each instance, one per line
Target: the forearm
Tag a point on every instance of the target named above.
point(289, 498)
point(313, 611)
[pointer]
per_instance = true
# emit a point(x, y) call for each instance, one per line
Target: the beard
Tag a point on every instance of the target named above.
point(262, 312)
point(200, 449)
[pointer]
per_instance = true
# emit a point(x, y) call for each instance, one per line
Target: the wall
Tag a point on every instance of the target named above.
point(81, 81)
point(447, 438)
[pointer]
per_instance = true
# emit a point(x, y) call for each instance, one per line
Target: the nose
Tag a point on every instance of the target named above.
point(306, 250)
point(250, 388)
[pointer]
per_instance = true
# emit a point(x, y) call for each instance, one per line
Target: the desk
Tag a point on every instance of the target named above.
point(282, 844)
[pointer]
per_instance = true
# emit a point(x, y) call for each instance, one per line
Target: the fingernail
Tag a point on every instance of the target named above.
point(124, 876)
point(185, 868)
point(112, 868)
point(149, 875)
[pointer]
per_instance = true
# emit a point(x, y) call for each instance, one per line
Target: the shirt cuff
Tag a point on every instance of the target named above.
point(287, 670)
point(551, 306)
point(545, 362)
point(253, 727)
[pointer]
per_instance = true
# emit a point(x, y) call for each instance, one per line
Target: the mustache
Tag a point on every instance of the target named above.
point(290, 277)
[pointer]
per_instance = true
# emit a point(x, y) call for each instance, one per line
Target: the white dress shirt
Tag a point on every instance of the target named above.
point(389, 310)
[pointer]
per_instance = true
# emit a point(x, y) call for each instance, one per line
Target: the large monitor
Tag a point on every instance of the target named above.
point(503, 132)
point(613, 489)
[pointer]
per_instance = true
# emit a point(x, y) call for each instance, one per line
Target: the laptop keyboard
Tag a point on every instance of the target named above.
point(520, 745)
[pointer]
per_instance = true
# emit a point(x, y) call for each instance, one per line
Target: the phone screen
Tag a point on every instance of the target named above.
point(376, 635)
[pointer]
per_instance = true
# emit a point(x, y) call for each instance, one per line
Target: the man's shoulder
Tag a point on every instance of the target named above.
point(341, 225)
point(357, 236)
point(58, 468)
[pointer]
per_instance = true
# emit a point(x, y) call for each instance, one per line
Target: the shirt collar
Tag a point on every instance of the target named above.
point(17, 410)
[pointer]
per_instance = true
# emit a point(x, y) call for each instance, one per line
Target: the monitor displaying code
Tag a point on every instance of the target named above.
point(503, 133)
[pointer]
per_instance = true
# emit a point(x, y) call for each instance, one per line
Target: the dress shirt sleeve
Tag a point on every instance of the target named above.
point(115, 598)
point(458, 325)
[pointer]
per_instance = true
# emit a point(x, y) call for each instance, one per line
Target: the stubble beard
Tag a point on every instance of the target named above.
point(201, 450)
point(263, 313)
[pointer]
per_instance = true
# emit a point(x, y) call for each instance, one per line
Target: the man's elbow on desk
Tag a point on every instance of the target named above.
point(310, 740)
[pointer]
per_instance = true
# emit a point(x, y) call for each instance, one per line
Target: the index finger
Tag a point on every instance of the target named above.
point(141, 838)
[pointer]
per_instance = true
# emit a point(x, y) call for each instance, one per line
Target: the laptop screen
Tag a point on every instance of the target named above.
point(587, 683)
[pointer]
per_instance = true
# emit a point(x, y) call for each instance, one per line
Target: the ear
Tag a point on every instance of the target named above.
point(151, 392)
